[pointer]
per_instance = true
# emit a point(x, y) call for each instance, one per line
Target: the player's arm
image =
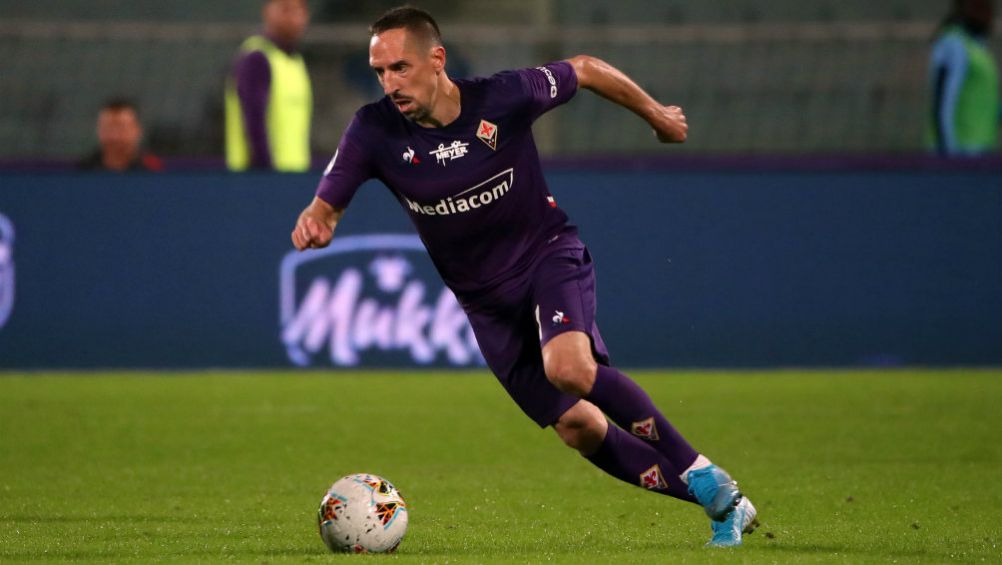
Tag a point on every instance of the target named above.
point(315, 226)
point(253, 80)
point(610, 83)
point(348, 169)
point(949, 72)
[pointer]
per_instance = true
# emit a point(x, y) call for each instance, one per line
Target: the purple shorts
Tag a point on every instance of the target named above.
point(556, 296)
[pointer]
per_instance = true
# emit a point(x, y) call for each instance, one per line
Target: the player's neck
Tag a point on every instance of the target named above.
point(446, 108)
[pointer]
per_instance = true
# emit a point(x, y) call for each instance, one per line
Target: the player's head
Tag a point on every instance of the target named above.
point(285, 20)
point(118, 129)
point(405, 50)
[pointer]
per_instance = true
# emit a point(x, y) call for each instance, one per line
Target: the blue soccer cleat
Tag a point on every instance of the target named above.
point(715, 490)
point(741, 520)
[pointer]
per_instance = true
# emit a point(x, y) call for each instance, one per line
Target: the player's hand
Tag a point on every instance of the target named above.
point(669, 124)
point(315, 226)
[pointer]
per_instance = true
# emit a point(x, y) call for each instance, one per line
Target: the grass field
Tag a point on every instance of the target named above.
point(849, 467)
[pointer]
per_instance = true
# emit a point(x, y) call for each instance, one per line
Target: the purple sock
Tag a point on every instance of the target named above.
point(631, 460)
point(631, 409)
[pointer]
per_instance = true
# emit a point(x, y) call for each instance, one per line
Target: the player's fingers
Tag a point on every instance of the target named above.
point(315, 228)
point(297, 239)
point(304, 233)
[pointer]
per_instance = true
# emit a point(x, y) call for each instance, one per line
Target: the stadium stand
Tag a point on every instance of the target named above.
point(782, 76)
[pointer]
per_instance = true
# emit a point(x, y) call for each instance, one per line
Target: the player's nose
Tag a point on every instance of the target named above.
point(389, 85)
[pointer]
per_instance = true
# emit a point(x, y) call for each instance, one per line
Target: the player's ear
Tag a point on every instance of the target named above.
point(438, 58)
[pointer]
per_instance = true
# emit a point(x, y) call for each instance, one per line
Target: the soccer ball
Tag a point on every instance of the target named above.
point(362, 513)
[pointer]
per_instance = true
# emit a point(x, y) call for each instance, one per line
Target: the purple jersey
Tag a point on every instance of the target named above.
point(473, 188)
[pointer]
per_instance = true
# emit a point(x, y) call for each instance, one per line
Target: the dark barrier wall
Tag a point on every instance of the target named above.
point(694, 269)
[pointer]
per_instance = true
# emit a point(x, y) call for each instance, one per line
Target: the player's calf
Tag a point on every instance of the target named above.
point(583, 427)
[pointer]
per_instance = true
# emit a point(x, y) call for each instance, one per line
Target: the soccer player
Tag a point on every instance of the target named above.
point(460, 158)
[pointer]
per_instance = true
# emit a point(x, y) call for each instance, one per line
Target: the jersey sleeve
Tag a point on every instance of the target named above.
point(348, 169)
point(547, 87)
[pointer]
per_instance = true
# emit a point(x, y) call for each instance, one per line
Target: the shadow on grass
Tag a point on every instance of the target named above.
point(848, 550)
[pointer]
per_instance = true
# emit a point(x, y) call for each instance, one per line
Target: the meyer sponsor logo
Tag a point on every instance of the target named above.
point(451, 152)
point(552, 80)
point(6, 269)
point(373, 299)
point(483, 194)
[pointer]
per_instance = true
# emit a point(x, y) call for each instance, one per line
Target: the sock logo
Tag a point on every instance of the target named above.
point(645, 429)
point(652, 479)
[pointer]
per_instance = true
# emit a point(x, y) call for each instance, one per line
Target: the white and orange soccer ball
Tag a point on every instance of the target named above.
point(362, 513)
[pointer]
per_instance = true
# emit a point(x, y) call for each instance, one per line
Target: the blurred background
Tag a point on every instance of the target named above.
point(755, 77)
point(806, 221)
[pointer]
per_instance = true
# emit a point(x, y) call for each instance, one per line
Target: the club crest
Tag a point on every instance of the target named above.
point(653, 479)
point(645, 429)
point(488, 133)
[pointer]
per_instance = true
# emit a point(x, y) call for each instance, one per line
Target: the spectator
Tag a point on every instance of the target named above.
point(269, 101)
point(964, 83)
point(120, 136)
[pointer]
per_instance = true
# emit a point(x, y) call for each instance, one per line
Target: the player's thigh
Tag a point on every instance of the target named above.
point(569, 362)
point(510, 347)
point(564, 301)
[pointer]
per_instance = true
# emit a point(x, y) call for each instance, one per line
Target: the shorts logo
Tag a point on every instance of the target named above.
point(410, 157)
point(645, 429)
point(559, 318)
point(652, 479)
point(551, 201)
point(488, 133)
point(451, 152)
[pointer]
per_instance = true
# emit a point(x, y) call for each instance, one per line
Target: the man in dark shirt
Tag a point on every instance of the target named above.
point(120, 136)
point(460, 158)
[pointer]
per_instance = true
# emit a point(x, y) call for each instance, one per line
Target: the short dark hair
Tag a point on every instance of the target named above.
point(119, 103)
point(414, 20)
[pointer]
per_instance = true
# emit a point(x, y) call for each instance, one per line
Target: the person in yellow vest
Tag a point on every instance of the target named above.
point(269, 100)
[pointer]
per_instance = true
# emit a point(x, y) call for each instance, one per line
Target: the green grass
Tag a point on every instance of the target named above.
point(846, 467)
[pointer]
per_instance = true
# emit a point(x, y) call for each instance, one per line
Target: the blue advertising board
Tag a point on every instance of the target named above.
point(736, 269)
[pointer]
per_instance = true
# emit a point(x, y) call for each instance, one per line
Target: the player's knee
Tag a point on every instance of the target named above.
point(569, 363)
point(583, 427)
point(572, 374)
